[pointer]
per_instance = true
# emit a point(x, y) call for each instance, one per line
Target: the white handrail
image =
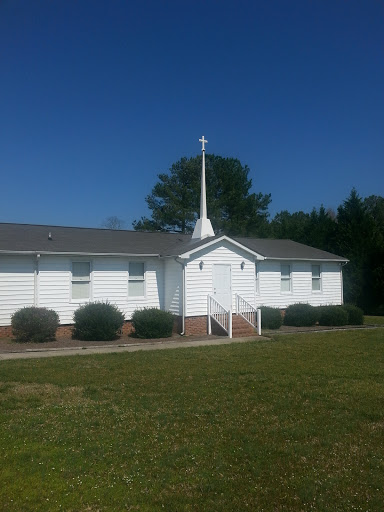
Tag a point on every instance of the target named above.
point(222, 316)
point(248, 312)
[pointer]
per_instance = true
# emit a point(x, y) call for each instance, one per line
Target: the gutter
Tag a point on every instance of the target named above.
point(36, 281)
point(320, 260)
point(342, 280)
point(182, 263)
point(57, 253)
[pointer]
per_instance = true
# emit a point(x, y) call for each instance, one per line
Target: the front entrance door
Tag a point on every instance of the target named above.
point(222, 284)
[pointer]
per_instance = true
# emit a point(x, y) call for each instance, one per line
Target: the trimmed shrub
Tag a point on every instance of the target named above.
point(301, 315)
point(333, 315)
point(270, 318)
point(152, 323)
point(35, 324)
point(355, 314)
point(97, 321)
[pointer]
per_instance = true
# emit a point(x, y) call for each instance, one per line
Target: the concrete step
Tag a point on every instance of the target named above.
point(240, 328)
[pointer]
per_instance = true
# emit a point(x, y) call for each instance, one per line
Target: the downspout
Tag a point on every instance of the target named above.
point(36, 282)
point(342, 281)
point(183, 298)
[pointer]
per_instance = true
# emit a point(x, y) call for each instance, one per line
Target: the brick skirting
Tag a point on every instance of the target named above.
point(6, 331)
point(195, 325)
point(63, 331)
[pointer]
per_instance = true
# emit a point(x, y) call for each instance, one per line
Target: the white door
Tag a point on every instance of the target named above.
point(222, 284)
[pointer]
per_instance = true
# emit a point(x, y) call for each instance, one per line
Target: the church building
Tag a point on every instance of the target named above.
point(205, 279)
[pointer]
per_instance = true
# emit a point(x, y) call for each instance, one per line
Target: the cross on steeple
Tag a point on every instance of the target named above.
point(203, 141)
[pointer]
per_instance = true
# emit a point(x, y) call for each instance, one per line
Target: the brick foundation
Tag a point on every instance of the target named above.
point(195, 325)
point(127, 327)
point(6, 331)
point(63, 331)
point(198, 325)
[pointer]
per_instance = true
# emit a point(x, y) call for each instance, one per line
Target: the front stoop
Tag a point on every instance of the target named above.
point(241, 328)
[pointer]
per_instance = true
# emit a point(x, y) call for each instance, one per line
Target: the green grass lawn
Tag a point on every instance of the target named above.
point(374, 320)
point(293, 424)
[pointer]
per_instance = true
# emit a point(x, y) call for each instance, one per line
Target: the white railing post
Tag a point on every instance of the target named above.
point(221, 315)
point(209, 315)
point(249, 313)
point(259, 322)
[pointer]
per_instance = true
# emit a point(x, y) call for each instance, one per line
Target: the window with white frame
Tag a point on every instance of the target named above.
point(286, 285)
point(136, 281)
point(257, 278)
point(81, 280)
point(316, 278)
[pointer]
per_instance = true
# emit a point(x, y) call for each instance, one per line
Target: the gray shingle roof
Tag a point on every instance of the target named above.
point(28, 237)
point(286, 249)
point(35, 238)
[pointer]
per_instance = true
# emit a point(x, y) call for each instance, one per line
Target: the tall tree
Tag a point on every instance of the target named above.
point(316, 229)
point(232, 208)
point(293, 226)
point(357, 239)
point(322, 229)
point(375, 208)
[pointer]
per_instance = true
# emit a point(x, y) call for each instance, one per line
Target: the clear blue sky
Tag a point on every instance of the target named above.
point(98, 97)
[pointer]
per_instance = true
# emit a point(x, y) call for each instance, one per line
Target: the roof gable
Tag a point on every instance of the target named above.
point(190, 249)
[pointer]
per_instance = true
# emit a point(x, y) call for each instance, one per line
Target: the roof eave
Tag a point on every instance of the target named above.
point(78, 253)
point(336, 260)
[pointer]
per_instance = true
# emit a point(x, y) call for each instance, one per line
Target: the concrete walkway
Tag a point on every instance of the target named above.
point(156, 345)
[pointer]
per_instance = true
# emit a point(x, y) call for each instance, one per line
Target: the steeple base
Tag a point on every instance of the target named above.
point(203, 229)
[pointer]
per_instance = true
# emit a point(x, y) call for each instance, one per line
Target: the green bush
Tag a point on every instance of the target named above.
point(97, 321)
point(270, 318)
point(152, 323)
point(355, 314)
point(35, 324)
point(301, 315)
point(333, 315)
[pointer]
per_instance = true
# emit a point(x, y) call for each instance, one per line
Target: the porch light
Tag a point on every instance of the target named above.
point(201, 264)
point(242, 265)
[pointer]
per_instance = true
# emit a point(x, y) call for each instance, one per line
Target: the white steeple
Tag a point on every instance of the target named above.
point(203, 228)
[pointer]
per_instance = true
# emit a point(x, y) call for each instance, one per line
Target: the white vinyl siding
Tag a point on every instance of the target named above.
point(173, 286)
point(316, 278)
point(286, 278)
point(301, 274)
point(81, 280)
point(199, 283)
point(16, 285)
point(136, 283)
point(109, 282)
